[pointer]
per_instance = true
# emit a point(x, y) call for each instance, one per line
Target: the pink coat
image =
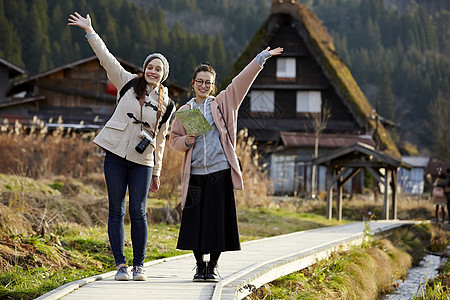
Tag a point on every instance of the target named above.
point(229, 101)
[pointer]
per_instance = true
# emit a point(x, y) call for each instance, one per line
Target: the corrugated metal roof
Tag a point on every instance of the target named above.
point(301, 139)
point(416, 161)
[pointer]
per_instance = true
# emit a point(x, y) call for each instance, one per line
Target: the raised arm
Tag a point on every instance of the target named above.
point(239, 86)
point(116, 73)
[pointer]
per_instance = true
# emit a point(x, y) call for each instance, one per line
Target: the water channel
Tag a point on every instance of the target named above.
point(415, 278)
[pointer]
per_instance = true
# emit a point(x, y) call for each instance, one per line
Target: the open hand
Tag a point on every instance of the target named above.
point(276, 51)
point(78, 20)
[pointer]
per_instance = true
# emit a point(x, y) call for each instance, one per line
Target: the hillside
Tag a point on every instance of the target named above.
point(397, 50)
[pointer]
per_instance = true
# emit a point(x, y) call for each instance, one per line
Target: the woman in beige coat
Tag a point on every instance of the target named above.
point(134, 140)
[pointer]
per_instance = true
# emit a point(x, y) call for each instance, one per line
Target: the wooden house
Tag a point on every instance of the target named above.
point(77, 95)
point(413, 181)
point(8, 71)
point(306, 83)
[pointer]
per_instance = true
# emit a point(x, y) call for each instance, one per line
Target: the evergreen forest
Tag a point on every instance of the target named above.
point(397, 50)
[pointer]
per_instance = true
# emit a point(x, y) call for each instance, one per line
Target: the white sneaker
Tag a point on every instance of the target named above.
point(122, 274)
point(138, 274)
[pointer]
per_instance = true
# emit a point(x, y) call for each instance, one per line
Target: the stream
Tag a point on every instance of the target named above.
point(415, 277)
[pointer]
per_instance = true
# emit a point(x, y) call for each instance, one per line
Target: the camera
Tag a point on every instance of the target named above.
point(146, 140)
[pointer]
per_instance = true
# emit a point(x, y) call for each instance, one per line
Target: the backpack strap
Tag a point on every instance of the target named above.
point(125, 88)
point(167, 114)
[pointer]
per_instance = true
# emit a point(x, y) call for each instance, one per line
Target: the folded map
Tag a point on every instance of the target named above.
point(194, 121)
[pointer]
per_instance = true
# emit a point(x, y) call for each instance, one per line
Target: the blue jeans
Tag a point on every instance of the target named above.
point(120, 174)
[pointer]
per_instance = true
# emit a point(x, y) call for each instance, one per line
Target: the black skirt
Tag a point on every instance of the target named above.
point(209, 219)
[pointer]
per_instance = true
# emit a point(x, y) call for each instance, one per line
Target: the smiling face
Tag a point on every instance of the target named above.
point(154, 72)
point(203, 85)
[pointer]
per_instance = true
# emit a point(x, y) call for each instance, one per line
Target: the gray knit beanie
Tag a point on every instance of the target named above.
point(164, 61)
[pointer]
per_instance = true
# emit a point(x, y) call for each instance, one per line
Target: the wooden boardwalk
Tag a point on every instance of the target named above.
point(257, 263)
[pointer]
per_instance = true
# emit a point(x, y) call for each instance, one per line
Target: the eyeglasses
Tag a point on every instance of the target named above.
point(199, 82)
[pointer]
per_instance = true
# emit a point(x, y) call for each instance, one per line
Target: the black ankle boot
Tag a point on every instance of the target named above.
point(210, 272)
point(200, 272)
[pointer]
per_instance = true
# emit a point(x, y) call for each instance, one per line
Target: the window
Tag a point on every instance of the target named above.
point(286, 68)
point(262, 101)
point(308, 102)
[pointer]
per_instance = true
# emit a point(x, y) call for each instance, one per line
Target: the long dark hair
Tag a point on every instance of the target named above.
point(140, 85)
point(205, 67)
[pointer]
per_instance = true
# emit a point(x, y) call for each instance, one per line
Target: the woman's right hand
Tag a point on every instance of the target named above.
point(78, 20)
point(190, 139)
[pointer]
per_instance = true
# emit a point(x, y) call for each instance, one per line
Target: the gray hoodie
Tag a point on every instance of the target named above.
point(207, 156)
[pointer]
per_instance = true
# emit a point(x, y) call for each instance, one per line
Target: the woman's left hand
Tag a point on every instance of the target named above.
point(154, 184)
point(276, 51)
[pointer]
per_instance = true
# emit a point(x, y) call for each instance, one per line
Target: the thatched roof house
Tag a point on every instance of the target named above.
point(307, 79)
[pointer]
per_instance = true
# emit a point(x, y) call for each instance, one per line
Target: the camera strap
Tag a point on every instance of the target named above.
point(158, 113)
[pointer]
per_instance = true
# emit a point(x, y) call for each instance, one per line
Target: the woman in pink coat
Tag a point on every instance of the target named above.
point(210, 170)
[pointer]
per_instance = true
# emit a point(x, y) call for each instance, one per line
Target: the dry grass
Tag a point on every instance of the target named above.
point(37, 153)
point(256, 181)
point(29, 206)
point(359, 273)
point(362, 207)
point(69, 185)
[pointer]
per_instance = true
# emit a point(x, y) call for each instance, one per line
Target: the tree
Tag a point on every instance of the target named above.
point(442, 21)
point(385, 96)
point(220, 57)
point(373, 37)
point(38, 53)
point(110, 29)
point(10, 46)
point(439, 120)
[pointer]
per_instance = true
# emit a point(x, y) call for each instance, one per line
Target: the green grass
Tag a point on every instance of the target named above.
point(79, 252)
point(29, 284)
point(437, 288)
point(360, 273)
point(257, 223)
point(71, 252)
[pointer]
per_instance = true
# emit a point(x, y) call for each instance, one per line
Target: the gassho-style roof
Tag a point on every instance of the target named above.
point(321, 46)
